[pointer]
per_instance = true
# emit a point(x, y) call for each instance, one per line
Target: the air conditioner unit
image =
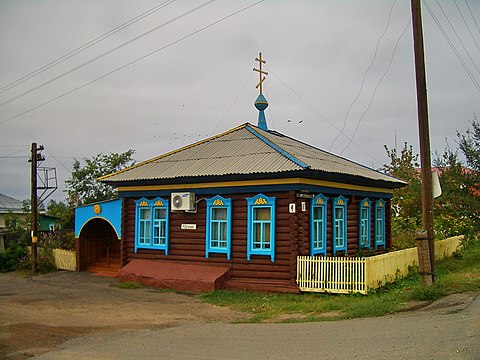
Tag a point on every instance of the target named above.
point(184, 201)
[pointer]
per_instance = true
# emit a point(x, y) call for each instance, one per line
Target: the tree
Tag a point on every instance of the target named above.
point(407, 201)
point(64, 212)
point(83, 186)
point(470, 145)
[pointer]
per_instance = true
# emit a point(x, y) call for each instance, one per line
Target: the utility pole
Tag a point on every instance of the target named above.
point(33, 206)
point(425, 237)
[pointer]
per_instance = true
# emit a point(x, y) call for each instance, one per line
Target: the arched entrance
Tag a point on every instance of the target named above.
point(98, 230)
point(99, 247)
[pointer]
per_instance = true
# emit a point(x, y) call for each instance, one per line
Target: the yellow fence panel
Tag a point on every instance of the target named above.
point(352, 274)
point(65, 259)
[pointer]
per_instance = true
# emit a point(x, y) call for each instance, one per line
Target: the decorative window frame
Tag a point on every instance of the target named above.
point(380, 239)
point(319, 201)
point(364, 224)
point(157, 203)
point(216, 203)
point(339, 203)
point(260, 201)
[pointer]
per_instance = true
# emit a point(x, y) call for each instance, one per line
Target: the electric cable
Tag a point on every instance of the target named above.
point(376, 87)
point(364, 76)
point(466, 24)
point(458, 37)
point(455, 51)
point(232, 104)
point(131, 62)
point(321, 115)
point(85, 46)
point(102, 55)
point(473, 17)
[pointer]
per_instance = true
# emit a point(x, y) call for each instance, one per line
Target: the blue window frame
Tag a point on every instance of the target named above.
point(261, 226)
point(339, 221)
point(379, 223)
point(219, 226)
point(318, 225)
point(364, 225)
point(151, 224)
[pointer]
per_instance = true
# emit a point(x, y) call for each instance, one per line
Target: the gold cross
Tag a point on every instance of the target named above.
point(260, 72)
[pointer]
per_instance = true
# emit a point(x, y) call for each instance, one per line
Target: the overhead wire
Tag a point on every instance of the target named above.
point(320, 114)
point(132, 62)
point(376, 87)
point(473, 17)
point(85, 46)
point(452, 46)
point(466, 24)
point(102, 55)
point(458, 37)
point(232, 104)
point(365, 75)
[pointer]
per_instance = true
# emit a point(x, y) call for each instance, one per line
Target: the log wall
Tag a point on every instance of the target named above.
point(292, 237)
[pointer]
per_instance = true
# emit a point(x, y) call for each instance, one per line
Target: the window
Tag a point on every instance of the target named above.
point(364, 233)
point(379, 223)
point(339, 224)
point(219, 215)
point(261, 226)
point(151, 224)
point(318, 224)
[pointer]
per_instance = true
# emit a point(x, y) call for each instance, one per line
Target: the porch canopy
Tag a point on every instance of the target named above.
point(110, 211)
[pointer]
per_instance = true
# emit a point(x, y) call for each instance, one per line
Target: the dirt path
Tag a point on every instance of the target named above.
point(38, 313)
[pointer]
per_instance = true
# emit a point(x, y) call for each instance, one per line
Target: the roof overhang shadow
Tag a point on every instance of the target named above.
point(110, 211)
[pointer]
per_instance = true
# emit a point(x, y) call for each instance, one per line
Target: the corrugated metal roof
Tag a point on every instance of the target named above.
point(9, 204)
point(243, 150)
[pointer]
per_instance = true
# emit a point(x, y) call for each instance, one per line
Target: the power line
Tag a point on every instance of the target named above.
point(365, 75)
point(455, 51)
point(88, 62)
point(376, 87)
point(131, 62)
point(473, 17)
point(320, 114)
point(85, 46)
point(458, 37)
point(466, 24)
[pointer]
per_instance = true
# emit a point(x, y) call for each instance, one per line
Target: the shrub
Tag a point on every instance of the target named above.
point(12, 257)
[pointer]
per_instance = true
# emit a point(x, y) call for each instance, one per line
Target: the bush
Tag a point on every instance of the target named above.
point(11, 258)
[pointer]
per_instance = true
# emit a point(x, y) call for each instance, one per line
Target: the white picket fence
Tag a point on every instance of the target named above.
point(343, 275)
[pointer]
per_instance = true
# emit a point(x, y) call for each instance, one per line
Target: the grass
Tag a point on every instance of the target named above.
point(460, 273)
point(129, 285)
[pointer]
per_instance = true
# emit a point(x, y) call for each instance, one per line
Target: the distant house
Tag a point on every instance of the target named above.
point(10, 205)
point(234, 211)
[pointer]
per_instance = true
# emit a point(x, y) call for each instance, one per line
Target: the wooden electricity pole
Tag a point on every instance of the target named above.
point(33, 206)
point(426, 249)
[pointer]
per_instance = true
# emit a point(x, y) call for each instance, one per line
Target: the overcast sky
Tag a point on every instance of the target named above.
point(341, 76)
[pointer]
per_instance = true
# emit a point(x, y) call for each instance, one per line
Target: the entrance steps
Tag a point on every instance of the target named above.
point(173, 275)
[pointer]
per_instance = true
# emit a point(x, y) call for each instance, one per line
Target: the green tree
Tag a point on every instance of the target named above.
point(62, 211)
point(470, 146)
point(83, 187)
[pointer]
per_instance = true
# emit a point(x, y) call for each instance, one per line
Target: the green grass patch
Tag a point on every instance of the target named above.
point(459, 273)
point(129, 285)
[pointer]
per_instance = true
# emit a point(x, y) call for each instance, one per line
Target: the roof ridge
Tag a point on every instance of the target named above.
point(278, 148)
point(105, 177)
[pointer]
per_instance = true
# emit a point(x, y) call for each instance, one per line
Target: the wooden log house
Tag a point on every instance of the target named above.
point(235, 210)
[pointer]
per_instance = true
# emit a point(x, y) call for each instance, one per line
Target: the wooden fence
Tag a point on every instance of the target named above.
point(354, 274)
point(65, 259)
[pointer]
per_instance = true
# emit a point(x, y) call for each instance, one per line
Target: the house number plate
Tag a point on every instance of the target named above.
point(189, 226)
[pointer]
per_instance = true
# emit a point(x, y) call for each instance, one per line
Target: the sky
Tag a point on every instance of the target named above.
point(83, 77)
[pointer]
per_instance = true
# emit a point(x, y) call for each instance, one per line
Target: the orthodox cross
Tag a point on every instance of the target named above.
point(260, 72)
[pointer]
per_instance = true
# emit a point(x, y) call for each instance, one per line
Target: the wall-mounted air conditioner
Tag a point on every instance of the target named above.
point(184, 201)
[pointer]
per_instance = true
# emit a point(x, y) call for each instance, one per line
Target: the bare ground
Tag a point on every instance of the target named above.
point(39, 313)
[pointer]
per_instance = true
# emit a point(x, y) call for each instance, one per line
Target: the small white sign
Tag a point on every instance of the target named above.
point(291, 208)
point(304, 206)
point(189, 226)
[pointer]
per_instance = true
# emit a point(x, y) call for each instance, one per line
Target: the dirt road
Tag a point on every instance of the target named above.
point(39, 313)
point(68, 315)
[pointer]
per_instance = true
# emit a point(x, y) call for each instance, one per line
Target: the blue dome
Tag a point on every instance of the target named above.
point(261, 103)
